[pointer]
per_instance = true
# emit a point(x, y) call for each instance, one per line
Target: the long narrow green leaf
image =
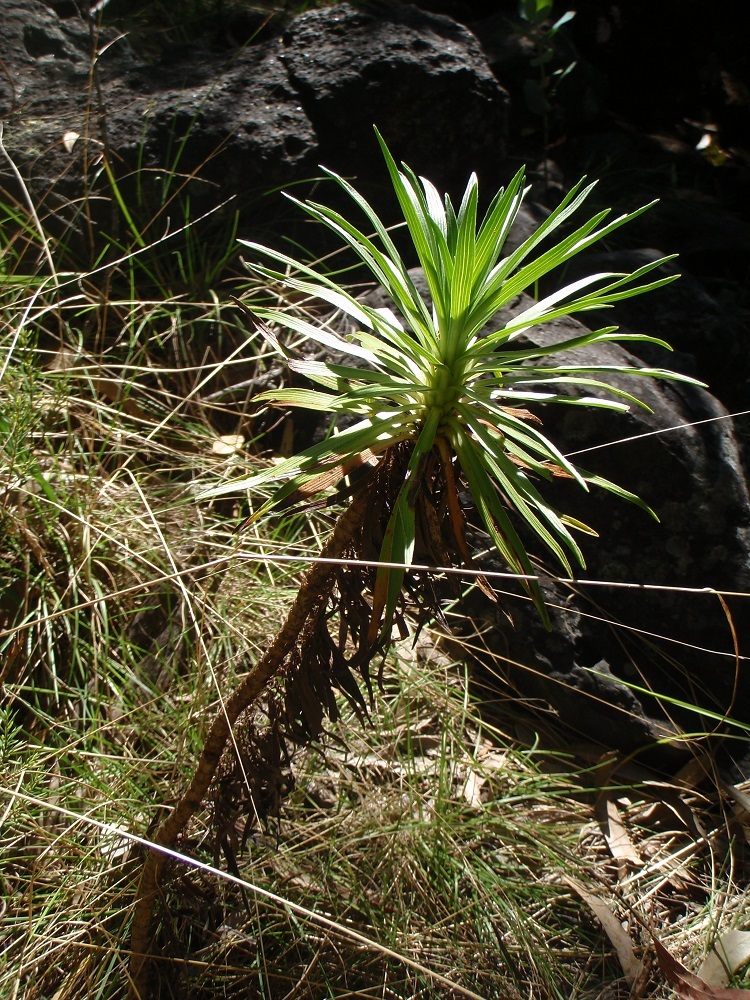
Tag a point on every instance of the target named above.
point(495, 519)
point(463, 278)
point(388, 244)
point(333, 296)
point(514, 397)
point(523, 432)
point(664, 373)
point(525, 499)
point(372, 434)
point(574, 380)
point(502, 285)
point(340, 377)
point(435, 207)
point(433, 228)
point(502, 360)
point(401, 338)
point(580, 240)
point(388, 270)
point(494, 231)
point(306, 399)
point(420, 232)
point(317, 334)
point(570, 204)
point(618, 491)
point(602, 298)
point(400, 534)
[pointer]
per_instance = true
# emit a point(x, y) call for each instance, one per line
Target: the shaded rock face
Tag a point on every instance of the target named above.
point(244, 128)
point(421, 77)
point(254, 119)
point(243, 122)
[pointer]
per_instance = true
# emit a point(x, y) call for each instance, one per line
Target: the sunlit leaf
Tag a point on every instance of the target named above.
point(421, 372)
point(227, 444)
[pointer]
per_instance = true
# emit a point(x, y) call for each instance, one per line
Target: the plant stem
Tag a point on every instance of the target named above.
point(315, 588)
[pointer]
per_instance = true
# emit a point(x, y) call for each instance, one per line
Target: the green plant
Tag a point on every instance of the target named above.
point(540, 92)
point(438, 403)
point(428, 377)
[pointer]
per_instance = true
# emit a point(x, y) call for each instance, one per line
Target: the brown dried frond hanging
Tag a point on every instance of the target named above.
point(330, 648)
point(332, 652)
point(251, 780)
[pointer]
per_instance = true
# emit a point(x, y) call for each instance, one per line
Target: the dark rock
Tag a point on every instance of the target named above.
point(422, 78)
point(239, 126)
point(562, 668)
point(242, 125)
point(261, 119)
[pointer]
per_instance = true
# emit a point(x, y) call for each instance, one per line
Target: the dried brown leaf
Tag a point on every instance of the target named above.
point(730, 952)
point(472, 790)
point(687, 985)
point(228, 444)
point(618, 936)
point(614, 831)
point(114, 392)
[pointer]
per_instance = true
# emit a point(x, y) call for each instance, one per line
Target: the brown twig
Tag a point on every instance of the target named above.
point(314, 589)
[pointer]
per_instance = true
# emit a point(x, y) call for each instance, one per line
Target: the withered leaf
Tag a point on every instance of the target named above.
point(730, 952)
point(687, 985)
point(614, 930)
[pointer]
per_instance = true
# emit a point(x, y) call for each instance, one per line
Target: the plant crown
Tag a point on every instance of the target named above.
point(427, 373)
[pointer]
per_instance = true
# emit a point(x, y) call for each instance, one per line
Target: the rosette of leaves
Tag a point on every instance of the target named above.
point(435, 405)
point(424, 374)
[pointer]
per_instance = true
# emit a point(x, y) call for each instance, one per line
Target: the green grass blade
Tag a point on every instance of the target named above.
point(372, 434)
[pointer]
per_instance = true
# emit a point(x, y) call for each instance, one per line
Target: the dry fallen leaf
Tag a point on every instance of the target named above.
point(730, 952)
point(228, 444)
point(687, 985)
point(69, 140)
point(472, 790)
point(614, 832)
point(64, 359)
point(114, 391)
point(614, 930)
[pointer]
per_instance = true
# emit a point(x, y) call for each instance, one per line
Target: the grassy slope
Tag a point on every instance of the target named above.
point(125, 612)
